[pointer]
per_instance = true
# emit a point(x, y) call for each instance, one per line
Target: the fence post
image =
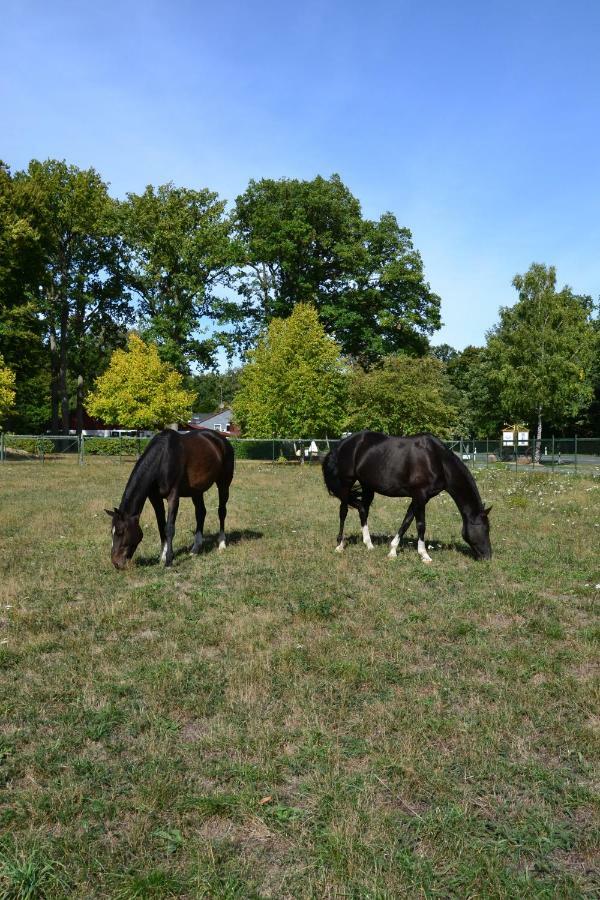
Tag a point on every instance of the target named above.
point(552, 453)
point(487, 452)
point(575, 452)
point(40, 441)
point(1, 446)
point(81, 449)
point(273, 450)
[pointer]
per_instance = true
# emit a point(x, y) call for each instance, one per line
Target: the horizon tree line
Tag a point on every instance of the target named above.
point(79, 269)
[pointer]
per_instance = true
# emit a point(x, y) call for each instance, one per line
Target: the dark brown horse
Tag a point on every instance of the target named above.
point(172, 466)
point(419, 467)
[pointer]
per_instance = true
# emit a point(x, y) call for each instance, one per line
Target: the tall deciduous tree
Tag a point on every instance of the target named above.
point(7, 389)
point(181, 253)
point(21, 325)
point(139, 390)
point(307, 242)
point(294, 384)
point(405, 395)
point(471, 374)
point(81, 292)
point(541, 352)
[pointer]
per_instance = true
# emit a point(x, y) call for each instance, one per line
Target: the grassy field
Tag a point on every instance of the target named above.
point(282, 721)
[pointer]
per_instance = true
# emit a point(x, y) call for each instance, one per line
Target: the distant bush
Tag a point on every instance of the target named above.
point(115, 446)
point(34, 446)
point(252, 449)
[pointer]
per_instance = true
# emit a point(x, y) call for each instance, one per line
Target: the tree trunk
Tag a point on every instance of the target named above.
point(538, 442)
point(79, 404)
point(54, 366)
point(62, 374)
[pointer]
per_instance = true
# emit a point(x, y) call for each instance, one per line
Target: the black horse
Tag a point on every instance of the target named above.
point(172, 466)
point(419, 467)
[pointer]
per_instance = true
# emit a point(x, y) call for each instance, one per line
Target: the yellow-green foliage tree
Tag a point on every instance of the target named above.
point(138, 390)
point(7, 389)
point(295, 383)
point(405, 396)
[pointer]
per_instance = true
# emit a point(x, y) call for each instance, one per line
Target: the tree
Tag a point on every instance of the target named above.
point(307, 242)
point(181, 252)
point(471, 374)
point(444, 352)
point(138, 390)
point(81, 293)
point(294, 384)
point(541, 352)
point(7, 389)
point(214, 389)
point(21, 323)
point(405, 395)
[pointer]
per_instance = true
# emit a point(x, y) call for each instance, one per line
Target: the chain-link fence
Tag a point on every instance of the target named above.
point(551, 453)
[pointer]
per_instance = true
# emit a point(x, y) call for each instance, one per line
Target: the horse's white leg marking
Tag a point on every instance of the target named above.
point(422, 551)
point(393, 546)
point(163, 556)
point(367, 537)
point(340, 547)
point(222, 543)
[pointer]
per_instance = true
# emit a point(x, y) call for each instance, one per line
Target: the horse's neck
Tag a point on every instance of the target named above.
point(463, 490)
point(136, 491)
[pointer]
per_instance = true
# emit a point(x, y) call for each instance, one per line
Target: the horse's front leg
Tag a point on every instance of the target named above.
point(200, 508)
point(173, 506)
point(410, 514)
point(223, 488)
point(420, 517)
point(159, 509)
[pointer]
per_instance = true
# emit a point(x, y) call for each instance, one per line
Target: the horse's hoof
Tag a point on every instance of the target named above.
point(426, 559)
point(392, 554)
point(222, 546)
point(339, 548)
point(370, 546)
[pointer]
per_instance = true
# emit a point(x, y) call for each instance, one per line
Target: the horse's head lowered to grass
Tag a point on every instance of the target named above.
point(476, 532)
point(126, 535)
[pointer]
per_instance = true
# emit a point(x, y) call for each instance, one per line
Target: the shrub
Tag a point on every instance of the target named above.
point(34, 446)
point(115, 446)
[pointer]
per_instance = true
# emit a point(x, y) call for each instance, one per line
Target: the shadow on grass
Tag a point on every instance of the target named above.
point(411, 543)
point(209, 546)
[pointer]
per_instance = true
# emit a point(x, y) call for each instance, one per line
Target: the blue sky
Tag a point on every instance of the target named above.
point(477, 124)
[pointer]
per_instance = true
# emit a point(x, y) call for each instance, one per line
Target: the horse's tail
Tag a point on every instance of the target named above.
point(333, 482)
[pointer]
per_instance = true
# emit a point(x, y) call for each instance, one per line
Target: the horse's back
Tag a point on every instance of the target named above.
point(207, 457)
point(399, 465)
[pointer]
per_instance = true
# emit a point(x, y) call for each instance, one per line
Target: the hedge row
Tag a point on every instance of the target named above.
point(115, 446)
point(34, 446)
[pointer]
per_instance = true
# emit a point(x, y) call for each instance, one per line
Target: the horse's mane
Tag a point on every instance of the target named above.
point(137, 479)
point(455, 462)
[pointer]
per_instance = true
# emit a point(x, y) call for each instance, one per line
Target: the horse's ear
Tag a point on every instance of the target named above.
point(109, 512)
point(488, 510)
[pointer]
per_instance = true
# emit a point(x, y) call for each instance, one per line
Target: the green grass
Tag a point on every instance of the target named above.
point(283, 721)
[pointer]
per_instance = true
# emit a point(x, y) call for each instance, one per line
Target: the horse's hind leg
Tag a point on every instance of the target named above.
point(410, 514)
point(340, 537)
point(223, 498)
point(200, 508)
point(420, 517)
point(363, 506)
